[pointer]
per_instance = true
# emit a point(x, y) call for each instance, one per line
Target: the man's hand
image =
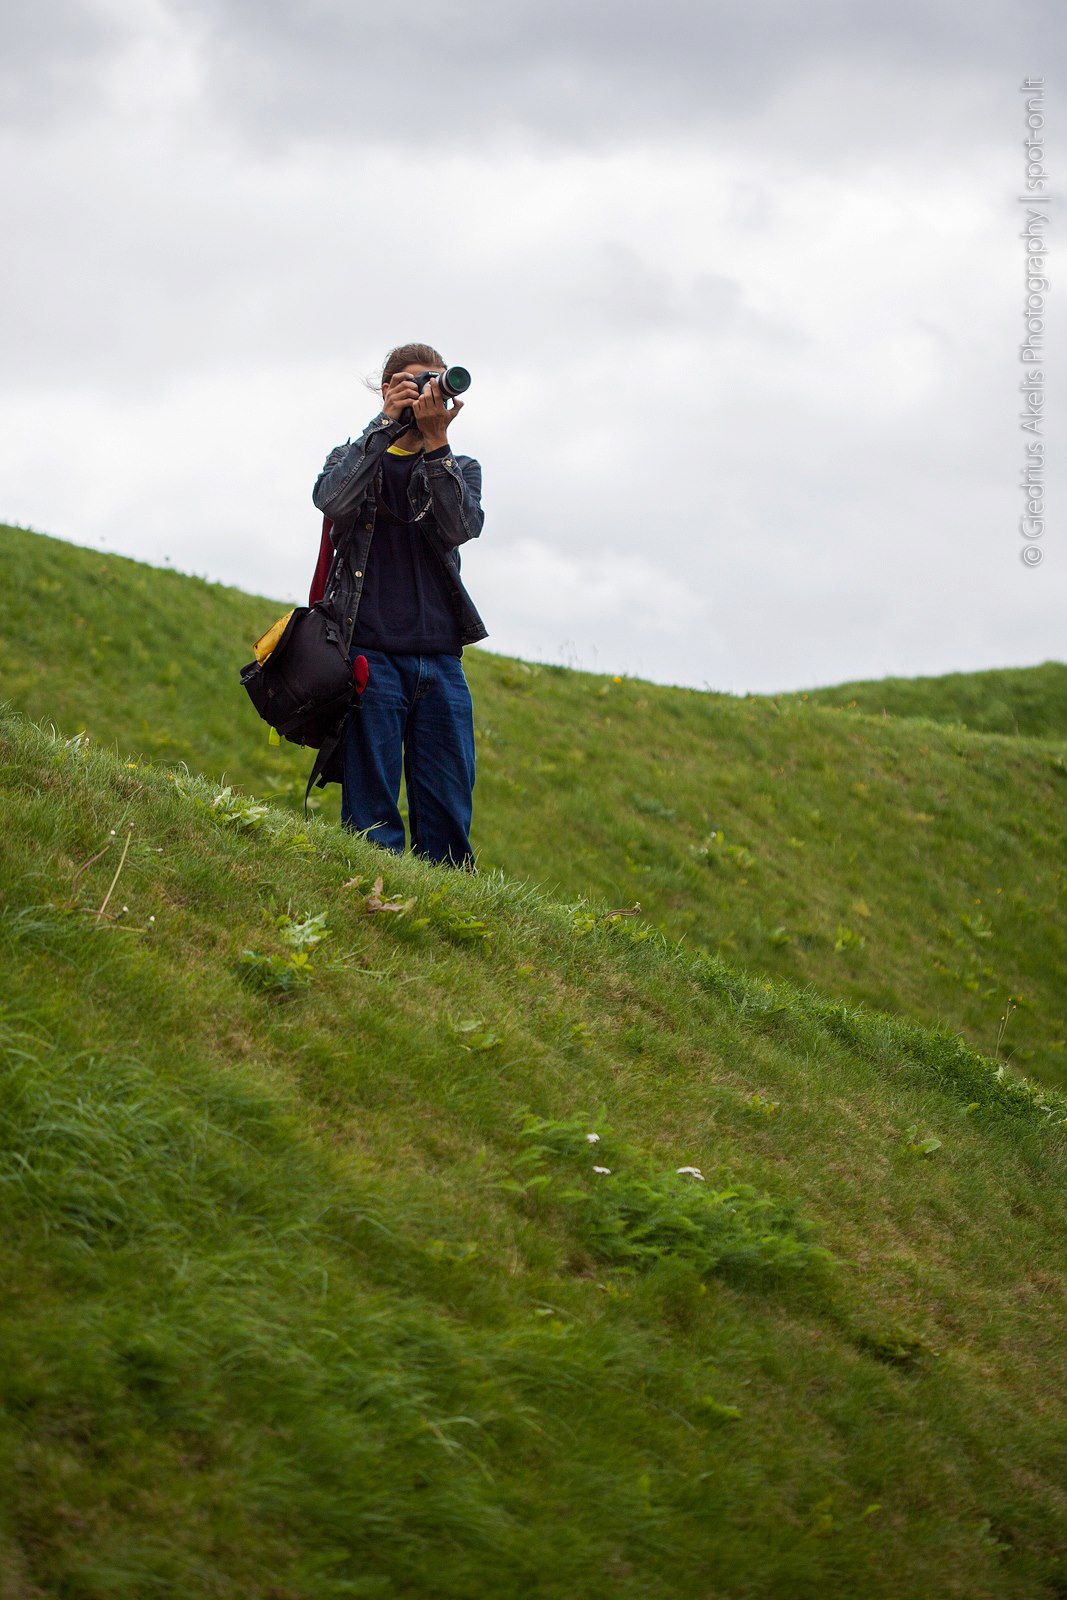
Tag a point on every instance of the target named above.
point(432, 417)
point(400, 392)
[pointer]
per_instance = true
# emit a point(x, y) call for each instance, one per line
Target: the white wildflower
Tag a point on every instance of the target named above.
point(605, 1170)
point(592, 1138)
point(692, 1172)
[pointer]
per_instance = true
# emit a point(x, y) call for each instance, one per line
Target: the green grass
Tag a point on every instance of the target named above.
point(1031, 701)
point(310, 1288)
point(909, 864)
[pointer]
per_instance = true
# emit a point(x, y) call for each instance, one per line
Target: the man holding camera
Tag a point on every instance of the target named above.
point(401, 503)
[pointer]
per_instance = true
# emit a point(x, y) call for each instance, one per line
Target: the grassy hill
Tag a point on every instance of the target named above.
point(1031, 701)
point(910, 865)
point(313, 1285)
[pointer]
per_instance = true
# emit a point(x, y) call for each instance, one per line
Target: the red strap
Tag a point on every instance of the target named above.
point(325, 561)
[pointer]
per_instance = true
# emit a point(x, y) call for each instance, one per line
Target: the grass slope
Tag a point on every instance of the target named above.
point(311, 1287)
point(1031, 701)
point(912, 866)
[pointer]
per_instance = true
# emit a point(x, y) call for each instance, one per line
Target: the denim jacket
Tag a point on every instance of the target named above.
point(445, 499)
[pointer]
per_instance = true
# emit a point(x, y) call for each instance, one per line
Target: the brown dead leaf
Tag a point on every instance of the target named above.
point(377, 902)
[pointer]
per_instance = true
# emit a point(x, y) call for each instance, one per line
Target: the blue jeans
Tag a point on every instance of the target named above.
point(415, 715)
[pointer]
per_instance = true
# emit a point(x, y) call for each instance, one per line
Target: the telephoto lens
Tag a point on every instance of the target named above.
point(451, 382)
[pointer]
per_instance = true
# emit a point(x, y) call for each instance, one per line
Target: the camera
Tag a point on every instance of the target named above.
point(453, 381)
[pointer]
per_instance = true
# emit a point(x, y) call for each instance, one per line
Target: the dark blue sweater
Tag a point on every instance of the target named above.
point(406, 605)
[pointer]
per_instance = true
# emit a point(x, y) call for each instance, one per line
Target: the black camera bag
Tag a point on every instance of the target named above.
point(305, 685)
point(307, 688)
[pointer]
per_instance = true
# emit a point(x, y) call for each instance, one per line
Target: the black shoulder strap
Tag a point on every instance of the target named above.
point(327, 750)
point(342, 539)
point(342, 551)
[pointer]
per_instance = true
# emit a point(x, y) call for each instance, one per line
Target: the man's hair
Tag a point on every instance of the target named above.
point(405, 354)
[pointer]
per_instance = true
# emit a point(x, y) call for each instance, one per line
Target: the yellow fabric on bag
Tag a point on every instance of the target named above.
point(264, 646)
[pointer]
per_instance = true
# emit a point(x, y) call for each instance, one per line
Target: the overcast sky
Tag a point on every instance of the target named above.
point(742, 288)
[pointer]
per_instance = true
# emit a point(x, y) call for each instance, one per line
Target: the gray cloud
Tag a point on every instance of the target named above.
point(741, 294)
point(558, 73)
point(49, 58)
